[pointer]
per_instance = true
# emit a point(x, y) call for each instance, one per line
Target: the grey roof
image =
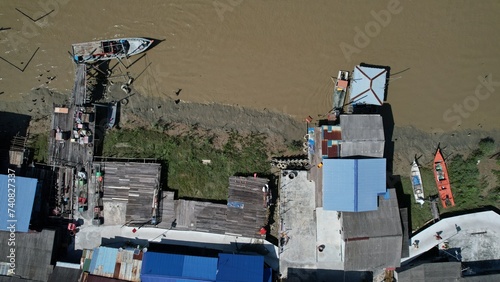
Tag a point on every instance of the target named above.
point(65, 274)
point(374, 149)
point(362, 135)
point(362, 127)
point(373, 253)
point(15, 279)
point(35, 249)
point(405, 251)
point(482, 278)
point(136, 184)
point(432, 272)
point(385, 221)
point(373, 239)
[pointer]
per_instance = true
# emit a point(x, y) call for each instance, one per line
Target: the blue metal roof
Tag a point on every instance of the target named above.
point(159, 278)
point(368, 85)
point(178, 267)
point(19, 211)
point(103, 261)
point(268, 274)
point(240, 268)
point(353, 184)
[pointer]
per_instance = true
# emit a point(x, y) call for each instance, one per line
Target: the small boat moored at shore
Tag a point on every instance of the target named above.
point(340, 91)
point(416, 183)
point(90, 52)
point(112, 114)
point(442, 180)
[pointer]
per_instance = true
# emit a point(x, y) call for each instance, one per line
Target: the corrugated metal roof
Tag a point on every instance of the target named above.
point(104, 261)
point(19, 212)
point(353, 184)
point(192, 268)
point(240, 268)
point(116, 263)
point(368, 85)
point(331, 132)
point(95, 278)
point(330, 149)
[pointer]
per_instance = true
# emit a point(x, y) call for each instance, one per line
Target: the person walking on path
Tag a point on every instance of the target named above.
point(438, 236)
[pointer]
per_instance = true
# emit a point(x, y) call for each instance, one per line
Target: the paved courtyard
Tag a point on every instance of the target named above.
point(307, 227)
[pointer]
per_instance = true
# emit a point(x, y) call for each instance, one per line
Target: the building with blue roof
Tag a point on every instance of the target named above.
point(368, 85)
point(240, 268)
point(160, 267)
point(16, 210)
point(353, 185)
point(174, 267)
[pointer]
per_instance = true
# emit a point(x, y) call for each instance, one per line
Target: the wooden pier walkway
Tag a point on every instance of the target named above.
point(80, 88)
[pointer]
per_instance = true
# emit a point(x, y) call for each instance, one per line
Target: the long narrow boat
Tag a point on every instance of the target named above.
point(442, 180)
point(416, 183)
point(112, 114)
point(90, 52)
point(339, 92)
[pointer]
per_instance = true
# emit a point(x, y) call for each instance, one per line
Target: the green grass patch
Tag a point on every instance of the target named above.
point(184, 155)
point(420, 214)
point(40, 146)
point(466, 184)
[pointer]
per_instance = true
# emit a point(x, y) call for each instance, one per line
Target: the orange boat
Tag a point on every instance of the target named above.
point(442, 180)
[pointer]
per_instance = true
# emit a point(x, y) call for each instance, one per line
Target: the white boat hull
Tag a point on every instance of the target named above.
point(416, 183)
point(90, 52)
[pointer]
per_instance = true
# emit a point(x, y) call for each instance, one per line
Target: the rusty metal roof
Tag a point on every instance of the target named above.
point(115, 263)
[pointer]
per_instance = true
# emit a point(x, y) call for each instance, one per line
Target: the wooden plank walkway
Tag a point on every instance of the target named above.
point(80, 88)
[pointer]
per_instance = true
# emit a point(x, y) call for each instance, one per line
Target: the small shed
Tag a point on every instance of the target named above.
point(108, 262)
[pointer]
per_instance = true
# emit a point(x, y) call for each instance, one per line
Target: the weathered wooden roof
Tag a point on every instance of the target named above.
point(249, 218)
point(136, 184)
point(244, 214)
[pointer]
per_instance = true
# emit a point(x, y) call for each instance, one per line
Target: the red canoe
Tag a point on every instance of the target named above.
point(442, 180)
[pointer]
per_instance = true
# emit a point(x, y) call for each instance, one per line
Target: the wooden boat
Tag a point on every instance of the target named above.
point(112, 114)
point(339, 92)
point(90, 52)
point(416, 183)
point(442, 180)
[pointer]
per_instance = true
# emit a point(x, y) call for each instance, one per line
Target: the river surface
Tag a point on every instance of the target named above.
point(276, 55)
